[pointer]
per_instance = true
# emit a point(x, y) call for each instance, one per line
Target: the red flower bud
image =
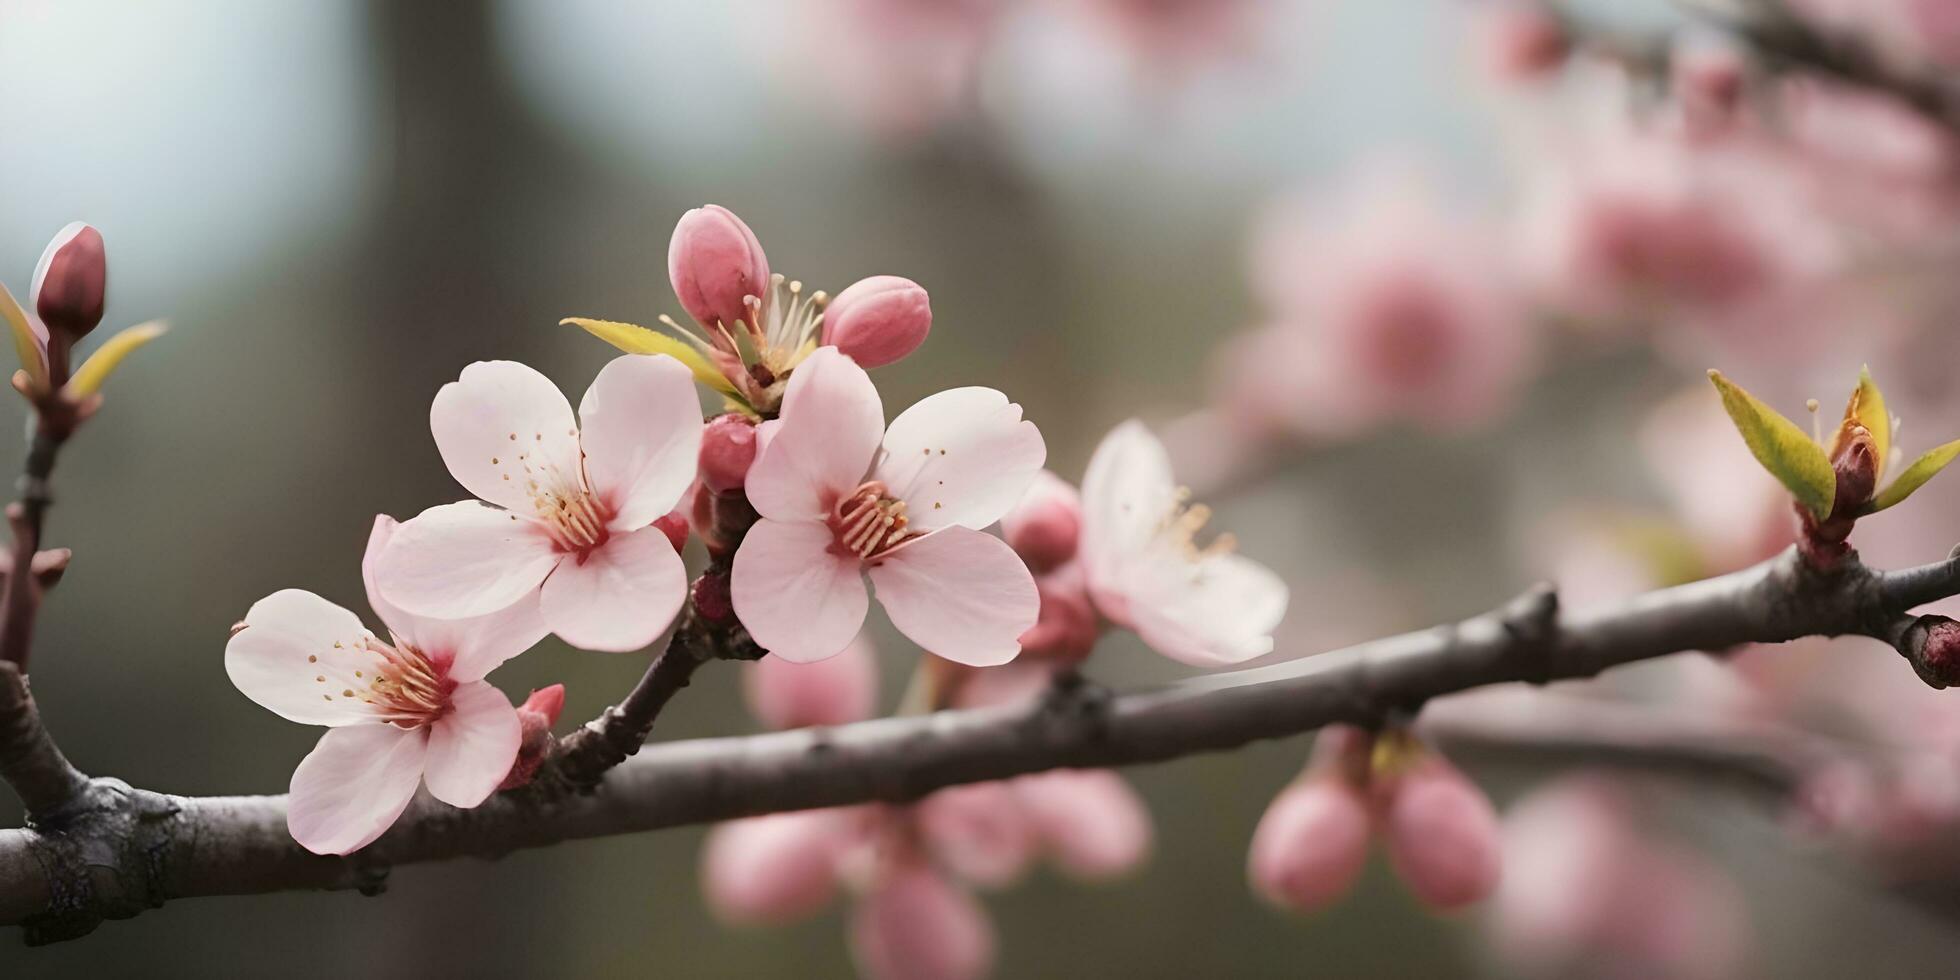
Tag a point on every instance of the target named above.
point(714, 262)
point(711, 598)
point(1938, 658)
point(535, 717)
point(878, 320)
point(70, 281)
point(727, 451)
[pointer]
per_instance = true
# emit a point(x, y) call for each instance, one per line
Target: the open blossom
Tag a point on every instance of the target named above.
point(1205, 606)
point(564, 513)
point(842, 497)
point(400, 712)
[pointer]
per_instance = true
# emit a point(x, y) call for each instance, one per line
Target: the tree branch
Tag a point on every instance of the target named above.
point(129, 849)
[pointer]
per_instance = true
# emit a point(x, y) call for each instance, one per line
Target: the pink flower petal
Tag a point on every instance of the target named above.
point(831, 423)
point(290, 639)
point(799, 601)
point(462, 560)
point(1218, 612)
point(961, 457)
point(979, 832)
point(1095, 825)
point(836, 691)
point(959, 593)
point(502, 426)
point(472, 747)
point(470, 647)
point(773, 870)
point(353, 786)
point(622, 597)
point(641, 433)
point(915, 925)
point(1127, 492)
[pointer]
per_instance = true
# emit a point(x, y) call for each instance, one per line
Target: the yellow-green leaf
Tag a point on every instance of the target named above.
point(1867, 408)
point(1915, 476)
point(635, 339)
point(26, 347)
point(88, 379)
point(1786, 451)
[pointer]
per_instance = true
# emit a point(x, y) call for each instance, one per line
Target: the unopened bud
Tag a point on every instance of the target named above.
point(1441, 833)
point(1933, 646)
point(1311, 844)
point(674, 526)
point(878, 320)
point(70, 281)
point(1067, 627)
point(727, 452)
point(711, 597)
point(833, 691)
point(535, 717)
point(714, 262)
point(1045, 526)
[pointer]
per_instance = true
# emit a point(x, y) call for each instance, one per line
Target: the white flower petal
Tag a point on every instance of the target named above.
point(641, 431)
point(799, 601)
point(825, 443)
point(503, 426)
point(353, 786)
point(622, 597)
point(296, 654)
point(959, 593)
point(463, 560)
point(472, 747)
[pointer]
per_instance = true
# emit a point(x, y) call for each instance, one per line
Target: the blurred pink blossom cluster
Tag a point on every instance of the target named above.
point(910, 868)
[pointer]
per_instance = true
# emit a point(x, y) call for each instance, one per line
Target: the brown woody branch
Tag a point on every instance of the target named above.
point(122, 850)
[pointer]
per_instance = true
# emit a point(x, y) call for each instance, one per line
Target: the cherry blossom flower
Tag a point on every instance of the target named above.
point(1204, 606)
point(411, 710)
point(842, 497)
point(563, 513)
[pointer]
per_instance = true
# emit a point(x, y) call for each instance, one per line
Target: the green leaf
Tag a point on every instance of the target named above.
point(1785, 450)
point(26, 347)
point(1867, 408)
point(88, 379)
point(635, 339)
point(1915, 476)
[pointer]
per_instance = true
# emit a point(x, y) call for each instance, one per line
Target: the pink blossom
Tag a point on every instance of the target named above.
point(563, 514)
point(979, 832)
point(1441, 835)
point(1584, 888)
point(411, 710)
point(1312, 843)
point(1089, 822)
point(535, 717)
point(915, 925)
point(835, 691)
point(1203, 606)
point(774, 869)
point(1397, 306)
point(842, 497)
point(1068, 627)
point(728, 448)
point(877, 321)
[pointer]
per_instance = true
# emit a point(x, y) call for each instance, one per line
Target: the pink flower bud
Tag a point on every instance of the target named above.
point(775, 869)
point(714, 262)
point(1442, 836)
point(1523, 42)
point(674, 526)
point(915, 925)
point(878, 320)
point(1067, 627)
point(70, 281)
point(833, 691)
point(1311, 845)
point(1094, 825)
point(1044, 527)
point(1938, 662)
point(978, 831)
point(727, 451)
point(535, 717)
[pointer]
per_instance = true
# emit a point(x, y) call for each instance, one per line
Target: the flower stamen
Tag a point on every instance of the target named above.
point(869, 522)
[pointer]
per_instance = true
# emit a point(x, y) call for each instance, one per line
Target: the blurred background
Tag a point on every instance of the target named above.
point(1156, 210)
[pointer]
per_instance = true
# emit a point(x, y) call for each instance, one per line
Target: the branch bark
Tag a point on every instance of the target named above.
point(130, 849)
